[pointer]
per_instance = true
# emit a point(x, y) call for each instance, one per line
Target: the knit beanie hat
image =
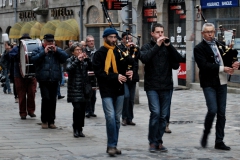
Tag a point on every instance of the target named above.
point(109, 31)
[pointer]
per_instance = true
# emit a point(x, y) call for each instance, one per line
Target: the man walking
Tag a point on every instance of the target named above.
point(130, 86)
point(111, 74)
point(159, 57)
point(47, 60)
point(213, 80)
point(90, 50)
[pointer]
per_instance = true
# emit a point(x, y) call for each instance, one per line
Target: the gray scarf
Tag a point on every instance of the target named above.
point(215, 50)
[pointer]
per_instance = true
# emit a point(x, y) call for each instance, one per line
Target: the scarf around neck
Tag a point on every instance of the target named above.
point(215, 50)
point(110, 59)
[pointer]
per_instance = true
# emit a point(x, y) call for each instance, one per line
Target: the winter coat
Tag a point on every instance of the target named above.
point(48, 66)
point(159, 62)
point(77, 77)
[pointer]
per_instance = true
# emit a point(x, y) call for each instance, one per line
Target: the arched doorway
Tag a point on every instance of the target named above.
point(8, 29)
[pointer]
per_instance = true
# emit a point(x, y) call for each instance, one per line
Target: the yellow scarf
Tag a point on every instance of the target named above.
point(110, 59)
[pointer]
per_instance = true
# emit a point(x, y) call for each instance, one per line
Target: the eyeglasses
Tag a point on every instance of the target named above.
point(209, 32)
point(78, 50)
point(90, 41)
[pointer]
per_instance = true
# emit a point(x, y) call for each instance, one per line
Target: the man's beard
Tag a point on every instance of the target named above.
point(110, 43)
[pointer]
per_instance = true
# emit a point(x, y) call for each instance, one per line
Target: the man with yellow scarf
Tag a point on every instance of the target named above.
point(111, 72)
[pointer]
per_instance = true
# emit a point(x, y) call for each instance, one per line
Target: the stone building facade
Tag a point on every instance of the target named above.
point(180, 17)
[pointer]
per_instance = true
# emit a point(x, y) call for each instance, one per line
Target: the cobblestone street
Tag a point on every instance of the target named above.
point(25, 140)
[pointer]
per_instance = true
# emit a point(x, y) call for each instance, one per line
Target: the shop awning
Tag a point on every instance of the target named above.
point(27, 27)
point(36, 29)
point(49, 28)
point(67, 30)
point(15, 30)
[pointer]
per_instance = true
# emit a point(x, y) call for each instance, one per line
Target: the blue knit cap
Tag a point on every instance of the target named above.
point(109, 31)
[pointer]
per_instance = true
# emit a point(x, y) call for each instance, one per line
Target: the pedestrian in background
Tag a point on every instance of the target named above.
point(159, 57)
point(213, 80)
point(5, 62)
point(111, 74)
point(90, 50)
point(77, 68)
point(47, 60)
point(130, 86)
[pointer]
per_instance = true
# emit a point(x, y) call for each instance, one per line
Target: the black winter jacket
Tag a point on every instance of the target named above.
point(77, 77)
point(109, 85)
point(48, 66)
point(159, 62)
point(208, 68)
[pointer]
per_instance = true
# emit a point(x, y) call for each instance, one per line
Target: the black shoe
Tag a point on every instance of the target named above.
point(23, 118)
point(131, 123)
point(75, 133)
point(81, 134)
point(222, 146)
point(204, 141)
point(93, 115)
point(61, 97)
point(88, 115)
point(32, 115)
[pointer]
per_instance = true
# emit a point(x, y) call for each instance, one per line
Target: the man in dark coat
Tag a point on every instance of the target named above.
point(159, 57)
point(213, 80)
point(90, 50)
point(111, 74)
point(127, 45)
point(47, 60)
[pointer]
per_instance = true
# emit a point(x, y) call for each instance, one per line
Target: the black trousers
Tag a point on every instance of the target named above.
point(78, 115)
point(49, 95)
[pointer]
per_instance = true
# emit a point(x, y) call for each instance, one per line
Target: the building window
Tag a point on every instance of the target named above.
point(93, 15)
point(21, 1)
point(10, 2)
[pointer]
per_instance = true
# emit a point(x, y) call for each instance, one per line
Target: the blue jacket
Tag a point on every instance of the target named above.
point(14, 53)
point(48, 66)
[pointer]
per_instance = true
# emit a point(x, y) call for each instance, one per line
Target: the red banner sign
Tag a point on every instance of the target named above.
point(115, 4)
point(182, 71)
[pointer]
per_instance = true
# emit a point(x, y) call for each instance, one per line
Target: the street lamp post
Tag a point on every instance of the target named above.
point(81, 20)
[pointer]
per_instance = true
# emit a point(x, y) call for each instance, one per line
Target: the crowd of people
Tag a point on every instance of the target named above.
point(113, 69)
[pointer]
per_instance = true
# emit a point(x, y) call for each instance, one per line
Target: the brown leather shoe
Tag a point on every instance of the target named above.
point(44, 126)
point(111, 151)
point(167, 130)
point(52, 126)
point(124, 122)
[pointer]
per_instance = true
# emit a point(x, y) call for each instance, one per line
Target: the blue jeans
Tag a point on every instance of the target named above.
point(169, 109)
point(112, 107)
point(129, 95)
point(158, 102)
point(216, 103)
point(7, 83)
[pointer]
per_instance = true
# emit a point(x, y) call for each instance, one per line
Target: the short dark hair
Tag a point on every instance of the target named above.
point(75, 45)
point(154, 25)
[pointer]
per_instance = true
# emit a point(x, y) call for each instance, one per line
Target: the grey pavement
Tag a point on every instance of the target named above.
point(25, 140)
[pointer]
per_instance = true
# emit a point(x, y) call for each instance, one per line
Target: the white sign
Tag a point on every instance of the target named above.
point(179, 29)
point(228, 37)
point(172, 38)
point(179, 39)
